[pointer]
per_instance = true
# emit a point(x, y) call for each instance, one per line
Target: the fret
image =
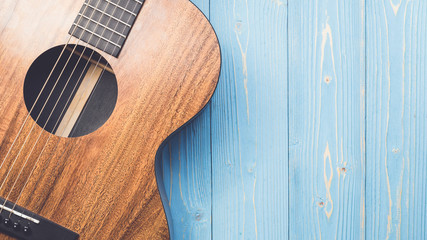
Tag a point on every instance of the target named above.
point(95, 26)
point(99, 36)
point(107, 14)
point(105, 24)
point(102, 25)
point(94, 40)
point(124, 9)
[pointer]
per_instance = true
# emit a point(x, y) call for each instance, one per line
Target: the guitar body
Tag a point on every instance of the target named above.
point(103, 185)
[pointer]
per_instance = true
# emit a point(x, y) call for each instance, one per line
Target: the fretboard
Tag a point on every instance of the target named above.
point(105, 24)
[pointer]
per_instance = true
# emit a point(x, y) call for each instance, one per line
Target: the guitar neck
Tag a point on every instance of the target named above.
point(105, 24)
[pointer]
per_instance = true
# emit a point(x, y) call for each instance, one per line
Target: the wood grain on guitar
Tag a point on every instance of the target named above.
point(103, 185)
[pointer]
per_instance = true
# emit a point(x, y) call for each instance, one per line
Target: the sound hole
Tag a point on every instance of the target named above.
point(83, 92)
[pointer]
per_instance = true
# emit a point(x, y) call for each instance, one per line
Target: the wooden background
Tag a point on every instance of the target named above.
point(317, 129)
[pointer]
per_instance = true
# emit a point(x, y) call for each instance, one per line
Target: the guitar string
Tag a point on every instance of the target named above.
point(85, 89)
point(38, 138)
point(32, 128)
point(26, 139)
point(85, 107)
point(103, 70)
point(47, 80)
point(105, 66)
point(60, 98)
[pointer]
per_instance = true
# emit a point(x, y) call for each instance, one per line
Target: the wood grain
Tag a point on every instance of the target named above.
point(186, 164)
point(395, 47)
point(396, 190)
point(249, 121)
point(395, 37)
point(103, 185)
point(326, 119)
point(186, 160)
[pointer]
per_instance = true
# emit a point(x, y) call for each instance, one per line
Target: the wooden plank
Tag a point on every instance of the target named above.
point(326, 119)
point(186, 161)
point(396, 184)
point(187, 179)
point(249, 121)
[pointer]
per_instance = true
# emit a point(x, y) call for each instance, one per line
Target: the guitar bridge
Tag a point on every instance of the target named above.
point(18, 222)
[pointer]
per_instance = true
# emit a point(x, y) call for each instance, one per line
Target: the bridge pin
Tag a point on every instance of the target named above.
point(7, 222)
point(16, 226)
point(26, 229)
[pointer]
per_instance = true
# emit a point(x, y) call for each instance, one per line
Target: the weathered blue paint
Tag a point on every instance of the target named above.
point(396, 90)
point(249, 121)
point(345, 82)
point(326, 119)
point(186, 163)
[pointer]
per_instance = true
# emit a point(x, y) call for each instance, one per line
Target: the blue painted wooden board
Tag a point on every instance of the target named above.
point(187, 163)
point(396, 139)
point(249, 122)
point(326, 119)
point(317, 128)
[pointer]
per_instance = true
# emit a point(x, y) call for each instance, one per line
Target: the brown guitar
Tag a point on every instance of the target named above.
point(88, 93)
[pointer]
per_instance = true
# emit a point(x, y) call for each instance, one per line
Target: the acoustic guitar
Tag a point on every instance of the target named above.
point(89, 90)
